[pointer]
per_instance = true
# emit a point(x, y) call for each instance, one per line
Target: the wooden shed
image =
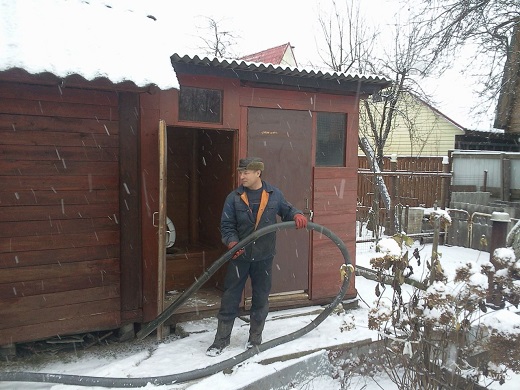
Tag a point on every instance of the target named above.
point(85, 189)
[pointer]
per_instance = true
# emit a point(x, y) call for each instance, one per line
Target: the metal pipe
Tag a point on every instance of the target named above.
point(404, 173)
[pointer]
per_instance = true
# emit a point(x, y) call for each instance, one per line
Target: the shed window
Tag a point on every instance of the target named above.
point(330, 145)
point(200, 105)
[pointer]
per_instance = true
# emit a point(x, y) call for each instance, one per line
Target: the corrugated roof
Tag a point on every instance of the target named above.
point(259, 73)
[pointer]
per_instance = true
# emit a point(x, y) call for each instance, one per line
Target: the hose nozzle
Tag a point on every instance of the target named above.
point(345, 270)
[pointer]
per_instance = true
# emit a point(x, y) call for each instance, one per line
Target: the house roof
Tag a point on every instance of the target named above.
point(486, 140)
point(273, 55)
point(258, 74)
point(438, 112)
point(509, 97)
point(70, 39)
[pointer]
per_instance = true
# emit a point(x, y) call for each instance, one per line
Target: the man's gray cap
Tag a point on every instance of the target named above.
point(251, 164)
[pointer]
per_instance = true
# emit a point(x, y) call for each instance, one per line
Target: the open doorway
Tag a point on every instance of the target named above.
point(200, 174)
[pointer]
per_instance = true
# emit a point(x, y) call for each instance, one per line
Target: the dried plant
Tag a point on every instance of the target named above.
point(435, 338)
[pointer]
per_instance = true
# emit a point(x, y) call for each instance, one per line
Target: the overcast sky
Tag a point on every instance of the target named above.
point(178, 29)
point(258, 26)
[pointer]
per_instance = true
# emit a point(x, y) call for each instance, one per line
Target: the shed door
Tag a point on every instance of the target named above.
point(283, 139)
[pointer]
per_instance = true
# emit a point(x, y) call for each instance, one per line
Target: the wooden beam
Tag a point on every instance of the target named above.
point(163, 152)
point(129, 200)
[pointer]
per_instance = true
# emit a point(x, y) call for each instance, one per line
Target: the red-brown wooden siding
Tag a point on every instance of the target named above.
point(59, 211)
point(341, 214)
point(334, 207)
point(149, 147)
point(129, 206)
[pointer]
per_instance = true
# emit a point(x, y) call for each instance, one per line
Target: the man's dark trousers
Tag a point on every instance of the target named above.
point(236, 277)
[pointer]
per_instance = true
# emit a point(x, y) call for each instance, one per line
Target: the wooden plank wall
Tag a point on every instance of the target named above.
point(335, 208)
point(129, 206)
point(413, 190)
point(59, 211)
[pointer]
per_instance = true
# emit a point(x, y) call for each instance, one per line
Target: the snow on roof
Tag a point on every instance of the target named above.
point(89, 38)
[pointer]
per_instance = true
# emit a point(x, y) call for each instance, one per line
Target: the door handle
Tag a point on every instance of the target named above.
point(154, 221)
point(308, 211)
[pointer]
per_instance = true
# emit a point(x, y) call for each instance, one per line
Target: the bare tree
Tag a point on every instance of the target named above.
point(218, 41)
point(404, 62)
point(403, 59)
point(348, 39)
point(486, 25)
point(350, 46)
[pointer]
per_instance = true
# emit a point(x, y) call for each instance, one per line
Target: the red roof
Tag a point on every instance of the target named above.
point(270, 56)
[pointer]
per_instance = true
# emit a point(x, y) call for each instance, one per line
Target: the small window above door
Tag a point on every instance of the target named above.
point(200, 105)
point(330, 142)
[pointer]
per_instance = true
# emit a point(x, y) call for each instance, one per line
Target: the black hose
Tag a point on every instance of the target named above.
point(78, 380)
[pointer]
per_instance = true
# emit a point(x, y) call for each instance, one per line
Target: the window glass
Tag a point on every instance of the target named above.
point(200, 105)
point(330, 145)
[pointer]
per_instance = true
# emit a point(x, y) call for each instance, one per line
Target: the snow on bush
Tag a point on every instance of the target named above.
point(448, 322)
point(388, 246)
point(505, 256)
point(503, 322)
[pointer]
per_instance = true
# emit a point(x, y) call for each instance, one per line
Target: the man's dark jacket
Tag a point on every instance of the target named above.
point(237, 221)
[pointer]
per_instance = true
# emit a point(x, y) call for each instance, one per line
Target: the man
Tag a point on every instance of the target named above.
point(252, 206)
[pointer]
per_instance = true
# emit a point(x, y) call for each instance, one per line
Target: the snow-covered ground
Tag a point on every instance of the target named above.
point(175, 355)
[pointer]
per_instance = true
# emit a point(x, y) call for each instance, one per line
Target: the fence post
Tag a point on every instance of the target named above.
point(500, 222)
point(393, 195)
point(435, 244)
point(406, 218)
point(445, 182)
point(506, 179)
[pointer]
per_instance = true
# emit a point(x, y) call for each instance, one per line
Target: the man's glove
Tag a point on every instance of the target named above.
point(301, 221)
point(238, 252)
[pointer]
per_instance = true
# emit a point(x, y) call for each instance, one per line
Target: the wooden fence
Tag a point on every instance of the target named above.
point(412, 181)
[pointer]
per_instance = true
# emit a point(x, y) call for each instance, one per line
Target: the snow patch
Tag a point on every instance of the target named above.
point(389, 246)
point(504, 322)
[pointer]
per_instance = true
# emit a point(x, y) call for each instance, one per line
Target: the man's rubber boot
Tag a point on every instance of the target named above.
point(222, 338)
point(255, 333)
